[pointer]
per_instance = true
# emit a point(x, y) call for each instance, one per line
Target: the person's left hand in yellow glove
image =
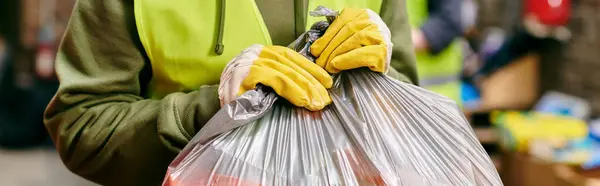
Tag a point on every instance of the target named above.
point(357, 38)
point(291, 75)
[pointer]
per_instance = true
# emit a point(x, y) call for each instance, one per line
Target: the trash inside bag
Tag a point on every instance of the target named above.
point(378, 131)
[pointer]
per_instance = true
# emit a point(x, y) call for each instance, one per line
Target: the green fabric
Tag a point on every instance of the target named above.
point(450, 90)
point(300, 9)
point(175, 40)
point(105, 128)
point(403, 63)
point(417, 11)
point(446, 63)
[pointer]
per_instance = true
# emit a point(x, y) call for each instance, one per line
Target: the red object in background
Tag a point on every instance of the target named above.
point(44, 63)
point(549, 12)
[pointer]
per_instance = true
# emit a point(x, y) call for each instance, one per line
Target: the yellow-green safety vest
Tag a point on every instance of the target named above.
point(180, 37)
point(439, 73)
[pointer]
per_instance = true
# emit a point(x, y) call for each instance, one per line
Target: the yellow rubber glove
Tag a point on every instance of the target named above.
point(357, 38)
point(290, 74)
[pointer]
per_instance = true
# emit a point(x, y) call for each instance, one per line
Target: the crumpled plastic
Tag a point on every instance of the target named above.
point(378, 131)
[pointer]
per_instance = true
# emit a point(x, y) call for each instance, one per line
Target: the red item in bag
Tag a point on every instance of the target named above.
point(215, 180)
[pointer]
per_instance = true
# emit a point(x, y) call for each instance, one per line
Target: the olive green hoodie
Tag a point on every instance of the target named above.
point(102, 123)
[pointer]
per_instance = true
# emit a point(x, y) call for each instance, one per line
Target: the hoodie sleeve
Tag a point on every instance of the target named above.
point(443, 24)
point(103, 128)
point(393, 13)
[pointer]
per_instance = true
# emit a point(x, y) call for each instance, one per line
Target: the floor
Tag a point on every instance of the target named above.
point(36, 167)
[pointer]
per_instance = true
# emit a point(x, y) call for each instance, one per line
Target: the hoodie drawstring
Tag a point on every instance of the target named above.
point(219, 47)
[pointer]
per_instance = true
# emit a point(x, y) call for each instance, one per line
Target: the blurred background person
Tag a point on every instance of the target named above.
point(542, 24)
point(436, 27)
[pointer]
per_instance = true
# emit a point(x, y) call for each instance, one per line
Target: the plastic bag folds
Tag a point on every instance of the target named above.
point(378, 131)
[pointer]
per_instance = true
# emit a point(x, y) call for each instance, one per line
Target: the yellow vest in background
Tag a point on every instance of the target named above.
point(180, 36)
point(439, 73)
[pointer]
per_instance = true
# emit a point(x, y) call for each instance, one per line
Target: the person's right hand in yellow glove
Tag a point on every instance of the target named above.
point(357, 38)
point(291, 75)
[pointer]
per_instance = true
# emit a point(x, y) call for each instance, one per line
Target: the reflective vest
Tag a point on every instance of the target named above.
point(180, 37)
point(439, 73)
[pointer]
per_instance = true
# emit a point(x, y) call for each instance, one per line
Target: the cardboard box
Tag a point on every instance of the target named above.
point(515, 86)
point(522, 170)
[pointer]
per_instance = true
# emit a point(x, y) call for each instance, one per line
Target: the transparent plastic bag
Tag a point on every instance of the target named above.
point(378, 131)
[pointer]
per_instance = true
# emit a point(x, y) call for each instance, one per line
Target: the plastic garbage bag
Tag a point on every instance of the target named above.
point(378, 131)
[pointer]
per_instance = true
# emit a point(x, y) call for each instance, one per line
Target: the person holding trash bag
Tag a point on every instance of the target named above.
point(138, 78)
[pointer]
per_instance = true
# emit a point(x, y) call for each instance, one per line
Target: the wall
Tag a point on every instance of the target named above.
point(578, 71)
